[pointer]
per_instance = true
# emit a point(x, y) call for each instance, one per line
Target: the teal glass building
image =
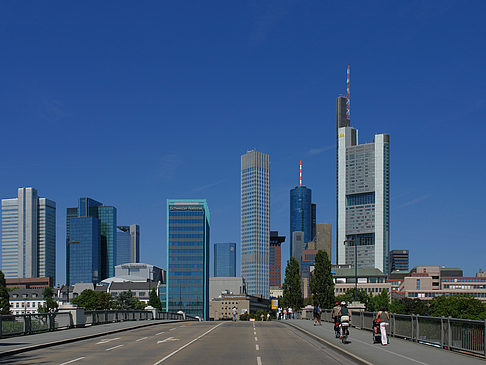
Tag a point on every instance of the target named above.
point(91, 244)
point(301, 217)
point(187, 286)
point(225, 259)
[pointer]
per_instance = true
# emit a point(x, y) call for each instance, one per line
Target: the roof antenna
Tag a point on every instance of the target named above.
point(348, 97)
point(300, 173)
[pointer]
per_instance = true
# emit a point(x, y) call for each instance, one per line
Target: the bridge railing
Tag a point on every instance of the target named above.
point(24, 324)
point(444, 332)
point(109, 316)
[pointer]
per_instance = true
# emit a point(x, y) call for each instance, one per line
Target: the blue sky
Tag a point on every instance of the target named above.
point(133, 103)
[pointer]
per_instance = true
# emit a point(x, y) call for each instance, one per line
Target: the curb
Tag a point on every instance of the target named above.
point(81, 338)
point(333, 346)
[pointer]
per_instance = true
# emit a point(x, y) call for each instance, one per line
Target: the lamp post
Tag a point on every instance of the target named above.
point(355, 267)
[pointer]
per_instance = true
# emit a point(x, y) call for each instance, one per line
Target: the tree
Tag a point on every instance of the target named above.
point(50, 305)
point(126, 300)
point(361, 296)
point(321, 285)
point(292, 292)
point(4, 296)
point(154, 300)
point(457, 306)
point(376, 302)
point(91, 300)
point(409, 306)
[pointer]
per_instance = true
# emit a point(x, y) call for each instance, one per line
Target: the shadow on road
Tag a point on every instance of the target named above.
point(22, 359)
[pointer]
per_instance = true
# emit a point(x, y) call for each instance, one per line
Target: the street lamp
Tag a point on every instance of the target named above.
point(355, 267)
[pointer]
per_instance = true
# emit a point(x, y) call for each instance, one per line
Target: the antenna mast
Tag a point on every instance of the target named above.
point(348, 97)
point(300, 173)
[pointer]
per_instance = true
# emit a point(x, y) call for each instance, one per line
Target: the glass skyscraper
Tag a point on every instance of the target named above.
point(225, 259)
point(128, 244)
point(301, 218)
point(363, 195)
point(255, 222)
point(95, 238)
point(275, 259)
point(28, 236)
point(187, 287)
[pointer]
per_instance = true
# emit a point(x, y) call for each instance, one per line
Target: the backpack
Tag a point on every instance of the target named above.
point(344, 311)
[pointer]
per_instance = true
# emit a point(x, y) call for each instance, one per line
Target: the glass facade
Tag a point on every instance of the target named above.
point(123, 247)
point(106, 217)
point(225, 259)
point(301, 217)
point(275, 258)
point(187, 287)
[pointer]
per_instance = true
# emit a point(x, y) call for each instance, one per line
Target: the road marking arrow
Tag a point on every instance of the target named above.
point(168, 339)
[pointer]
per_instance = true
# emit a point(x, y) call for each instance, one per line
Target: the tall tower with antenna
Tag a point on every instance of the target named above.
point(348, 96)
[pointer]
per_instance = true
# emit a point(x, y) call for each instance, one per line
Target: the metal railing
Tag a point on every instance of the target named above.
point(445, 332)
point(25, 324)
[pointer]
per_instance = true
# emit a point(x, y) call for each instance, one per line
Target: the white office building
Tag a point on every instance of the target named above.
point(28, 236)
point(363, 196)
point(255, 222)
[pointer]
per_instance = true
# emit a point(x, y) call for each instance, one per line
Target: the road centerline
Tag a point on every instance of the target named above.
point(259, 360)
point(114, 347)
point(71, 361)
point(141, 339)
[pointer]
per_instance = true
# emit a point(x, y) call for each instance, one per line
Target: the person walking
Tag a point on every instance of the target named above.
point(285, 313)
point(235, 311)
point(291, 312)
point(384, 318)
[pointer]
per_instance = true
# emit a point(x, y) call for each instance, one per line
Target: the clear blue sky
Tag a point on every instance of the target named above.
point(132, 103)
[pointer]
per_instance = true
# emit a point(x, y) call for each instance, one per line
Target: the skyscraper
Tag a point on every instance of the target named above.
point(91, 244)
point(300, 217)
point(276, 259)
point(187, 286)
point(255, 222)
point(363, 179)
point(225, 259)
point(398, 260)
point(128, 244)
point(28, 236)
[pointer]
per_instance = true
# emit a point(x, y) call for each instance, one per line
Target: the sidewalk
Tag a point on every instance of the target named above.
point(399, 351)
point(14, 345)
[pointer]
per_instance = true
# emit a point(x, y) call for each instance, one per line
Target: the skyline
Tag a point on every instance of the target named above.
point(113, 102)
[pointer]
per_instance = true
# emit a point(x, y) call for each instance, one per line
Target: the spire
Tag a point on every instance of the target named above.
point(300, 173)
point(348, 97)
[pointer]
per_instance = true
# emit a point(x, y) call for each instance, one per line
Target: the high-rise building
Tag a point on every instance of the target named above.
point(29, 236)
point(255, 222)
point(91, 244)
point(299, 246)
point(363, 179)
point(398, 260)
point(128, 244)
point(187, 286)
point(276, 259)
point(313, 221)
point(300, 215)
point(225, 259)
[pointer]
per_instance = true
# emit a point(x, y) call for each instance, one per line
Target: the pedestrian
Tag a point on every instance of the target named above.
point(285, 313)
point(235, 311)
point(384, 318)
point(316, 314)
point(268, 316)
point(279, 313)
point(291, 313)
point(319, 311)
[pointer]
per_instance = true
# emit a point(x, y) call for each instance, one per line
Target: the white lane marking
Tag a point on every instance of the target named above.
point(172, 329)
point(107, 340)
point(254, 332)
point(168, 339)
point(394, 353)
point(256, 338)
point(187, 344)
point(259, 360)
point(182, 326)
point(68, 362)
point(141, 339)
point(159, 333)
point(257, 347)
point(114, 347)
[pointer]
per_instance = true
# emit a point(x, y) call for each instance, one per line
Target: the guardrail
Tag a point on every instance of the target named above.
point(26, 324)
point(445, 332)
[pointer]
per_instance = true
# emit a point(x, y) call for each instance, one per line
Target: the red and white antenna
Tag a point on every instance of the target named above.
point(300, 173)
point(348, 96)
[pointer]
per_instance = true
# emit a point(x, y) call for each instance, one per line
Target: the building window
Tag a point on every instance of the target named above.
point(418, 284)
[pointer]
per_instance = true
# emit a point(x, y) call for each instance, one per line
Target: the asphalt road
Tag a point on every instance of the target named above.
point(191, 343)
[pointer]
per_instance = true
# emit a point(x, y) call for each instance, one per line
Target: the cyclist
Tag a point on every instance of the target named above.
point(344, 315)
point(335, 318)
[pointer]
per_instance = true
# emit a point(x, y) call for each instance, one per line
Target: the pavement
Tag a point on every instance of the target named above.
point(200, 343)
point(12, 345)
point(398, 351)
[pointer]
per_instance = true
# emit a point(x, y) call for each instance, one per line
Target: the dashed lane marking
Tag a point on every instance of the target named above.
point(159, 333)
point(107, 340)
point(70, 361)
point(259, 360)
point(141, 339)
point(114, 347)
point(168, 340)
point(256, 338)
point(257, 347)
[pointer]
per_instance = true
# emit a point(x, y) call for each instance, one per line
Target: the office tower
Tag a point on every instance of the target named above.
point(275, 258)
point(128, 244)
point(398, 260)
point(91, 244)
point(323, 240)
point(313, 221)
point(299, 246)
point(255, 222)
point(225, 259)
point(363, 172)
point(187, 286)
point(29, 236)
point(300, 217)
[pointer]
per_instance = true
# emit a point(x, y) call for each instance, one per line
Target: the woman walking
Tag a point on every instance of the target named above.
point(384, 318)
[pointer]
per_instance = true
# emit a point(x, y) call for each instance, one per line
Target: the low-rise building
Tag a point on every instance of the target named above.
point(370, 280)
point(218, 286)
point(222, 308)
point(27, 300)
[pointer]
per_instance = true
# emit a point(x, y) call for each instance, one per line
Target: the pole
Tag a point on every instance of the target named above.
point(355, 272)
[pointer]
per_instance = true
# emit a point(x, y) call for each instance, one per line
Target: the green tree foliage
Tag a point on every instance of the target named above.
point(154, 300)
point(382, 299)
point(91, 300)
point(4, 296)
point(126, 300)
point(321, 285)
point(409, 306)
point(457, 306)
point(292, 292)
point(50, 305)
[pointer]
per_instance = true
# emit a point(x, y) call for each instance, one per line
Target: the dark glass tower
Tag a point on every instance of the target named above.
point(225, 259)
point(187, 286)
point(275, 258)
point(98, 233)
point(300, 215)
